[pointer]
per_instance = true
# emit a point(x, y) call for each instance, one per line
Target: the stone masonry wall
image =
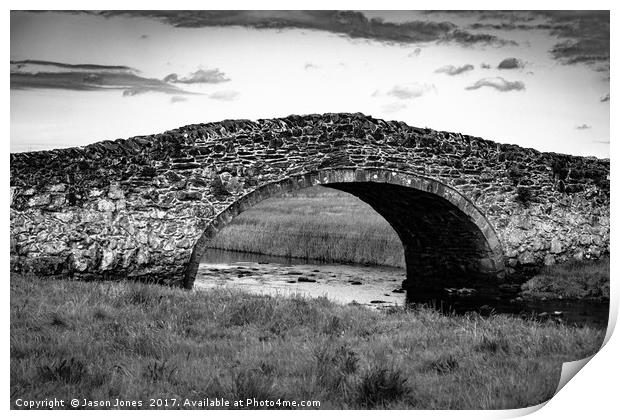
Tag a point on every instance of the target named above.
point(136, 208)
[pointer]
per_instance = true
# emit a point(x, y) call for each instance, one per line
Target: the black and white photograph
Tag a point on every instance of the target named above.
point(315, 209)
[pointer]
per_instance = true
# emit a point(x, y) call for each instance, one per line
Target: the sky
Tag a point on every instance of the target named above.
point(537, 79)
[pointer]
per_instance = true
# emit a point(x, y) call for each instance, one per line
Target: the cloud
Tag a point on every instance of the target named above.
point(498, 83)
point(467, 38)
point(605, 98)
point(583, 127)
point(586, 33)
point(38, 74)
point(583, 35)
point(176, 99)
point(510, 63)
point(225, 95)
point(415, 53)
point(211, 76)
point(411, 91)
point(453, 71)
point(35, 66)
point(310, 66)
point(352, 24)
point(485, 66)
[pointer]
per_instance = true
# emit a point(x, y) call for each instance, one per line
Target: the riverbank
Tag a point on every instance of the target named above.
point(108, 340)
point(575, 280)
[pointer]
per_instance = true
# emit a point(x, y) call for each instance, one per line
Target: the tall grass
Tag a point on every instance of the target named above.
point(574, 280)
point(102, 341)
point(315, 223)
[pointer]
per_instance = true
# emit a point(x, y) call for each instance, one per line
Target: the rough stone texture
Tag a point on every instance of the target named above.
point(468, 210)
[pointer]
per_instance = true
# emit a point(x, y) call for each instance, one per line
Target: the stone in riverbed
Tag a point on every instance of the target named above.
point(303, 279)
point(356, 283)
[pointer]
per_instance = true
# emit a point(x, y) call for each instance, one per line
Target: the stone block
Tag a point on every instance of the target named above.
point(40, 200)
point(556, 246)
point(104, 205)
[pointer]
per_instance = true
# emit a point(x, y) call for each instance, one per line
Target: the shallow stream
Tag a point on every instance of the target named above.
point(375, 286)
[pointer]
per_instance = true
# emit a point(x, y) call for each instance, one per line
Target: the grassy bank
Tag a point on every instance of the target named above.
point(317, 223)
point(575, 280)
point(103, 341)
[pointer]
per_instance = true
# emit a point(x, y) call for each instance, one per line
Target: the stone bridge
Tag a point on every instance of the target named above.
point(469, 212)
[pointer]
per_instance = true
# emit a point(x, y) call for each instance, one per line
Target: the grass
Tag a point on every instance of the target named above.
point(316, 223)
point(575, 280)
point(108, 340)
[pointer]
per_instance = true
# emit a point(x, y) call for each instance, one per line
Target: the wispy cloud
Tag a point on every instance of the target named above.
point(177, 99)
point(605, 98)
point(498, 83)
point(583, 127)
point(485, 66)
point(415, 53)
point(211, 76)
point(38, 74)
point(510, 63)
point(310, 66)
point(35, 66)
point(393, 107)
point(453, 71)
point(414, 90)
point(225, 95)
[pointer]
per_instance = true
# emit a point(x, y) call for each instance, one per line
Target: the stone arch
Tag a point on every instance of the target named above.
point(447, 240)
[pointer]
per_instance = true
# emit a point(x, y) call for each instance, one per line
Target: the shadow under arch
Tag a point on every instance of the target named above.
point(447, 240)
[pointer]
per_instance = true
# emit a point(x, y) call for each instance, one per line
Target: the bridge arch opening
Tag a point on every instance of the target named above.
point(447, 241)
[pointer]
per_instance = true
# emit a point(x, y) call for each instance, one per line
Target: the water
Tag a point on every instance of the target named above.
point(580, 313)
point(374, 286)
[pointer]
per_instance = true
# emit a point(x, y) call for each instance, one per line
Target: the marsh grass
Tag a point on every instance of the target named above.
point(381, 386)
point(316, 223)
point(574, 280)
point(105, 340)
